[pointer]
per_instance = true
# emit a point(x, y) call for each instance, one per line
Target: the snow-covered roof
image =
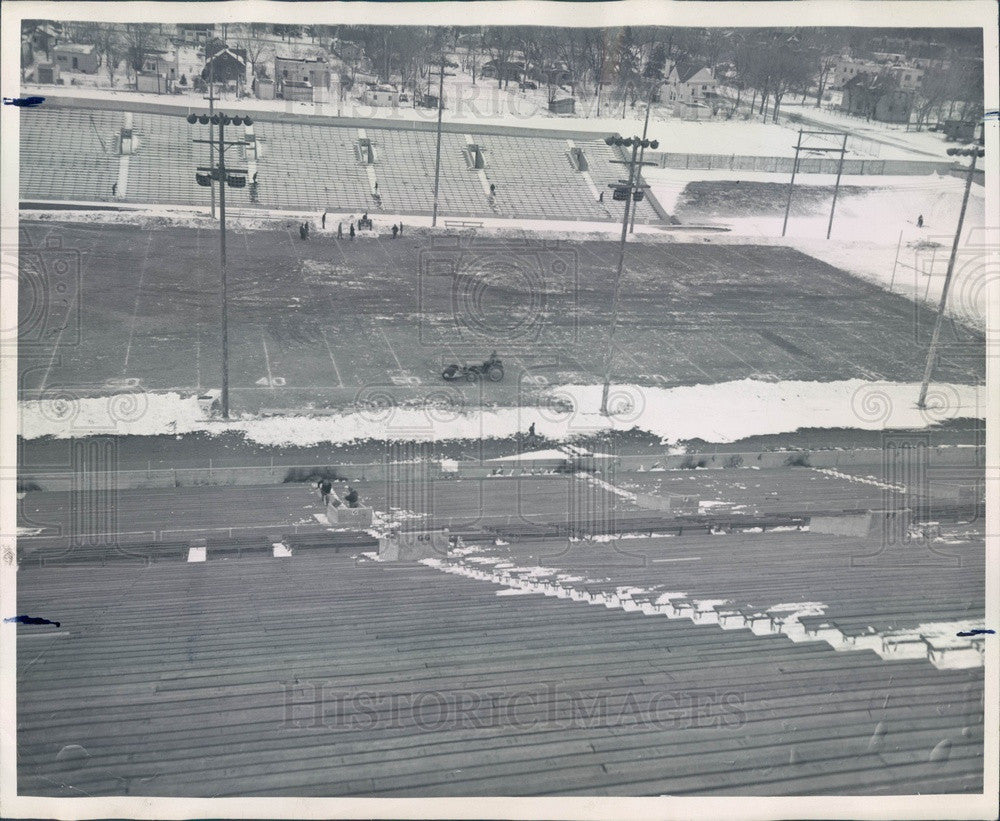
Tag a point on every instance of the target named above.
point(76, 48)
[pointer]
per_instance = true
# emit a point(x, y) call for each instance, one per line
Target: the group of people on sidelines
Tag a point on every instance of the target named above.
point(364, 223)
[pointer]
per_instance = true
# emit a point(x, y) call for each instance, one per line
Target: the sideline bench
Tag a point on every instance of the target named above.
point(462, 224)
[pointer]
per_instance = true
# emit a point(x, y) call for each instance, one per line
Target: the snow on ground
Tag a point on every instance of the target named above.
point(874, 235)
point(722, 412)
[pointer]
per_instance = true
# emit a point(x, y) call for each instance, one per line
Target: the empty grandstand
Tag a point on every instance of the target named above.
point(316, 165)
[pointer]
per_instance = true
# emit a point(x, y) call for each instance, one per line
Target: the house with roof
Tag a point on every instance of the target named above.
point(877, 97)
point(43, 37)
point(908, 77)
point(162, 62)
point(846, 68)
point(226, 65)
point(82, 57)
point(299, 66)
point(689, 83)
point(194, 33)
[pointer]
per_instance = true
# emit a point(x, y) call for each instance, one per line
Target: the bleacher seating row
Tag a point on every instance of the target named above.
point(307, 167)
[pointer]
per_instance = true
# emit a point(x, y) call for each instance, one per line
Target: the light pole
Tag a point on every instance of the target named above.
point(437, 158)
point(236, 178)
point(211, 112)
point(974, 153)
point(642, 149)
point(627, 191)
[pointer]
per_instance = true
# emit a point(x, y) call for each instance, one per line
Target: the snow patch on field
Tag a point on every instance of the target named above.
point(722, 412)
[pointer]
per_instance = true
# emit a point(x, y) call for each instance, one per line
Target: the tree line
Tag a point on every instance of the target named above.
point(622, 64)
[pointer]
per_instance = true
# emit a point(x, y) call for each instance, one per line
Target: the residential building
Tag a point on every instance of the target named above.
point(163, 62)
point(689, 83)
point(226, 65)
point(313, 71)
point(194, 33)
point(877, 97)
point(381, 96)
point(908, 77)
point(82, 57)
point(846, 68)
point(44, 37)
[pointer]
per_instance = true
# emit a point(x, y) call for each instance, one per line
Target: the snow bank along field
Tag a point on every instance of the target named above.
point(777, 619)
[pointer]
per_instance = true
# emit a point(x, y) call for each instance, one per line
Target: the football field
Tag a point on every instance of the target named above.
point(328, 322)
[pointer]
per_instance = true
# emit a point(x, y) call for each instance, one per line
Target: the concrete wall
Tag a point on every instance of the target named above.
point(412, 546)
point(349, 516)
point(431, 471)
point(871, 525)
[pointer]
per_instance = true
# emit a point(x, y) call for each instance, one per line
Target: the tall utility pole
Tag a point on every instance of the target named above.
point(211, 111)
point(629, 189)
point(222, 268)
point(974, 153)
point(437, 159)
point(237, 178)
point(642, 151)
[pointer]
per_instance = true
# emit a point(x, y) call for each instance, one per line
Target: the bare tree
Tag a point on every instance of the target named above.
point(254, 46)
point(109, 48)
point(139, 41)
point(500, 42)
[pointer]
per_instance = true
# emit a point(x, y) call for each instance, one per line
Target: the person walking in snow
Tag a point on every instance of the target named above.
point(920, 221)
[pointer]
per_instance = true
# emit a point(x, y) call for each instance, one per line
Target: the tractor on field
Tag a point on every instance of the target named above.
point(491, 369)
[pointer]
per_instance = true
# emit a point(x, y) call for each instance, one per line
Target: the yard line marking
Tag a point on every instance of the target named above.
point(326, 341)
point(52, 359)
point(677, 559)
point(135, 312)
point(389, 346)
point(267, 361)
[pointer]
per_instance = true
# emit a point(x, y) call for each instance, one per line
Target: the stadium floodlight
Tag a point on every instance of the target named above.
point(631, 192)
point(233, 178)
point(973, 152)
point(969, 151)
